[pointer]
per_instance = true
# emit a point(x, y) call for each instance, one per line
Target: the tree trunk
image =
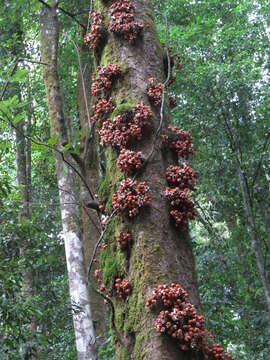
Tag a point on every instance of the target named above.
point(90, 220)
point(160, 253)
point(82, 318)
point(23, 158)
point(252, 227)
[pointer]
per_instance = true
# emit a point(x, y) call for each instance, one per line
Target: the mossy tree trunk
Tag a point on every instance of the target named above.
point(160, 253)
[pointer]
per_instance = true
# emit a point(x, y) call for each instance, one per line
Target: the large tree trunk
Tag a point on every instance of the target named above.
point(160, 253)
point(82, 318)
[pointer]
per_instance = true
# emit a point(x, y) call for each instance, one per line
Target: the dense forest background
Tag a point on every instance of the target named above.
point(223, 99)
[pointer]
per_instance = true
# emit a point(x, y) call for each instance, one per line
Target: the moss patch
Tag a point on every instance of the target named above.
point(122, 108)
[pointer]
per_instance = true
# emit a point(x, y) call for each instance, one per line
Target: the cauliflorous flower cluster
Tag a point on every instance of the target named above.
point(154, 91)
point(123, 20)
point(182, 145)
point(104, 79)
point(92, 38)
point(131, 196)
point(179, 320)
point(116, 132)
point(123, 128)
point(102, 288)
point(102, 109)
point(182, 206)
point(122, 287)
point(129, 161)
point(182, 176)
point(124, 239)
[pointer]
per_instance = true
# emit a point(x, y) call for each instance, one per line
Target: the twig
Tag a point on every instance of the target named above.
point(98, 242)
point(72, 17)
point(33, 61)
point(55, 149)
point(113, 314)
point(8, 81)
point(89, 14)
point(45, 4)
point(83, 85)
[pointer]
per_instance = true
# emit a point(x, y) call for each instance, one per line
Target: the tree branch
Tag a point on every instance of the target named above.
point(45, 4)
point(40, 143)
point(72, 16)
point(7, 82)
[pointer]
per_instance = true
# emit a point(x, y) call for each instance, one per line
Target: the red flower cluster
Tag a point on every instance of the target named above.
point(123, 128)
point(104, 80)
point(131, 196)
point(216, 352)
point(182, 176)
point(183, 144)
point(94, 35)
point(116, 132)
point(102, 288)
point(154, 91)
point(98, 274)
point(123, 288)
point(123, 20)
point(180, 320)
point(102, 109)
point(129, 161)
point(124, 239)
point(183, 208)
point(142, 114)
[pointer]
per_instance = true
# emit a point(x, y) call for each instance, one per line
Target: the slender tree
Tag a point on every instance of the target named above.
point(82, 318)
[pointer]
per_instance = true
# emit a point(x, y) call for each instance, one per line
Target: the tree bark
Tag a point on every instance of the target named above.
point(82, 318)
point(23, 159)
point(90, 219)
point(160, 253)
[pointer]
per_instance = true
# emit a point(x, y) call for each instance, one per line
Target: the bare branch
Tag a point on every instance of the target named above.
point(72, 16)
point(83, 85)
point(8, 81)
point(45, 4)
point(40, 143)
point(99, 242)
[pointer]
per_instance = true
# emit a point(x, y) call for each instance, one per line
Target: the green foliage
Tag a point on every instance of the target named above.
point(223, 92)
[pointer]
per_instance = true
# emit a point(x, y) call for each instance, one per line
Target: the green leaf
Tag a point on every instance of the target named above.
point(53, 140)
point(19, 117)
point(19, 76)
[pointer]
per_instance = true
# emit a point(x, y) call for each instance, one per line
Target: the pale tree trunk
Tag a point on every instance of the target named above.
point(82, 318)
point(90, 220)
point(160, 253)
